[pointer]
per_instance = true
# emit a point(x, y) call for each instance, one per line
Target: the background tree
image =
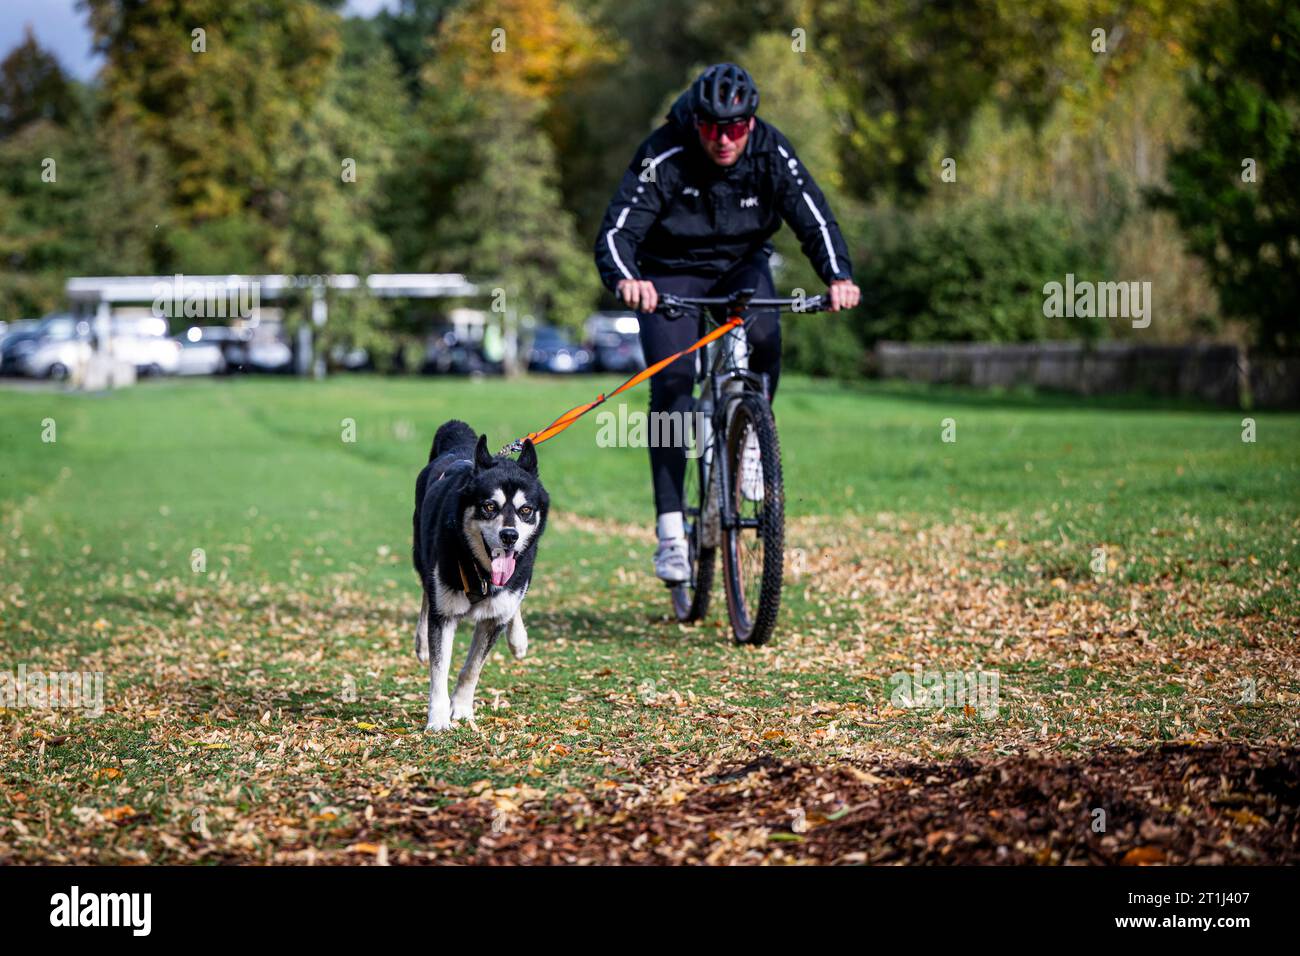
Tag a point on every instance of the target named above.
point(1235, 188)
point(332, 162)
point(507, 221)
point(917, 70)
point(409, 31)
point(102, 212)
point(507, 224)
point(524, 48)
point(219, 115)
point(33, 86)
point(333, 166)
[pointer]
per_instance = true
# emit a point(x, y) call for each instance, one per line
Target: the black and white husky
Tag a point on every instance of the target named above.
point(477, 523)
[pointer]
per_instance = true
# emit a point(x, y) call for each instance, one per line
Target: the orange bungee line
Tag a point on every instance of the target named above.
point(573, 414)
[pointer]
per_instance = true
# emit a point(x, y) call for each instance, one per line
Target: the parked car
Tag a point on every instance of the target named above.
point(615, 341)
point(9, 329)
point(554, 351)
point(199, 357)
point(231, 343)
point(150, 354)
point(142, 342)
point(447, 354)
point(58, 355)
point(269, 355)
point(242, 350)
point(39, 350)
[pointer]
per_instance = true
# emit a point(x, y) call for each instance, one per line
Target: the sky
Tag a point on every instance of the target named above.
point(60, 27)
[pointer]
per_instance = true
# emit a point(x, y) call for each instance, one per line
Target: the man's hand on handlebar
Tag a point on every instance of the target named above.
point(639, 294)
point(844, 295)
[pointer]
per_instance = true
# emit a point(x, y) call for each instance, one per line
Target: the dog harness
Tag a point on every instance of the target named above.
point(474, 595)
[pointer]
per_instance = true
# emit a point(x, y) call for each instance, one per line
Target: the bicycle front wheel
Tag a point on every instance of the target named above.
point(753, 546)
point(691, 600)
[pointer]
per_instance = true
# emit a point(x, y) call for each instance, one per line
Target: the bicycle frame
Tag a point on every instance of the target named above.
point(724, 370)
point(725, 363)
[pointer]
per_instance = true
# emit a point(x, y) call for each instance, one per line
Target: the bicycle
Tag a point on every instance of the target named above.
point(724, 507)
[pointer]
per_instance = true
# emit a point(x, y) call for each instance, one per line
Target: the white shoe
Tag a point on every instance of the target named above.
point(672, 562)
point(751, 468)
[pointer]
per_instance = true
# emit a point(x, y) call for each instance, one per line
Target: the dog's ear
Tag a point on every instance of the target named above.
point(528, 457)
point(482, 457)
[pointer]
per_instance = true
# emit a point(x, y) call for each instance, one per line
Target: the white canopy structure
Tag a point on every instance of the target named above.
point(94, 290)
point(232, 296)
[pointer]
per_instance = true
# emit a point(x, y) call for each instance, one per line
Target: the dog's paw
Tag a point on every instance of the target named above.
point(437, 724)
point(462, 710)
point(439, 717)
point(422, 651)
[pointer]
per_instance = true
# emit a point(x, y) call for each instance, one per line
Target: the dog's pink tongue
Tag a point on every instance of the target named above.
point(502, 568)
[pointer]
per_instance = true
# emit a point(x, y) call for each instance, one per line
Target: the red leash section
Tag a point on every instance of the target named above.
point(573, 414)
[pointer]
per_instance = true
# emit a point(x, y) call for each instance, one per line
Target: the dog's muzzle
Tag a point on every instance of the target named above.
point(503, 559)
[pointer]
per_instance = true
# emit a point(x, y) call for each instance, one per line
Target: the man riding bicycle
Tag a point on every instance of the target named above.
point(693, 216)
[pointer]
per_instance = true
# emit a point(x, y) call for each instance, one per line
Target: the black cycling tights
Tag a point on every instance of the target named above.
point(670, 390)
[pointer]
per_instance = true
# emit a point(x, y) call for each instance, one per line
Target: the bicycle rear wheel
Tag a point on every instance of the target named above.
point(691, 600)
point(753, 548)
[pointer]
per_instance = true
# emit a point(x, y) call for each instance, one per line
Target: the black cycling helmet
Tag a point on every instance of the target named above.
point(724, 92)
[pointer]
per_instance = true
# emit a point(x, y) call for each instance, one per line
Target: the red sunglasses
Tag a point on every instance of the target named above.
point(715, 131)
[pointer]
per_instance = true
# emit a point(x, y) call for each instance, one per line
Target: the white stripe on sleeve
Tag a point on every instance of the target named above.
point(826, 233)
point(622, 217)
point(613, 249)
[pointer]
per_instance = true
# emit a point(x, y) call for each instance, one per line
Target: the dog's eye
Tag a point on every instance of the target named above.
point(489, 507)
point(525, 512)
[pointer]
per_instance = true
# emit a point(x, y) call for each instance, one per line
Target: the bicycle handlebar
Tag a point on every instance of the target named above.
point(674, 306)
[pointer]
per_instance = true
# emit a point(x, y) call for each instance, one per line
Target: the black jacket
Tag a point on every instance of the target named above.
point(676, 211)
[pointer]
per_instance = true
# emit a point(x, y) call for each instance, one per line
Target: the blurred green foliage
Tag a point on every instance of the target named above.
point(1235, 188)
point(973, 273)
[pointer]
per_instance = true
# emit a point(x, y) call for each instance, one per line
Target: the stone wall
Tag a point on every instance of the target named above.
point(1221, 374)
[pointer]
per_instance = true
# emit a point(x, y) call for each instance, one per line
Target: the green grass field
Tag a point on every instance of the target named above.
point(241, 577)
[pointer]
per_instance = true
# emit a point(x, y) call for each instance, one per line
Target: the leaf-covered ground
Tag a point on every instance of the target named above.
point(1141, 625)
